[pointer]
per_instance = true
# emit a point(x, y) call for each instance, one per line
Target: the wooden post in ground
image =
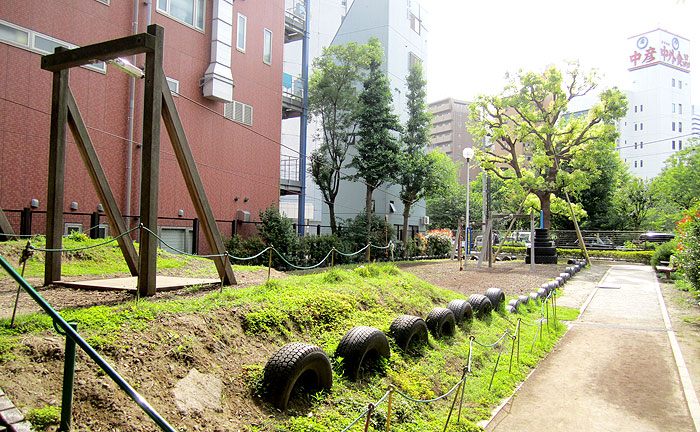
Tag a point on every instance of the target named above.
point(57, 170)
point(150, 163)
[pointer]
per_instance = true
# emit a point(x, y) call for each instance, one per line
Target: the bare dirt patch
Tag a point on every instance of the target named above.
point(513, 277)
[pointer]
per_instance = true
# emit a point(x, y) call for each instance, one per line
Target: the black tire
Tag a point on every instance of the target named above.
point(542, 294)
point(571, 261)
point(441, 322)
point(462, 310)
point(565, 276)
point(481, 305)
point(296, 362)
point(545, 250)
point(358, 346)
point(496, 297)
point(523, 299)
point(514, 305)
point(539, 259)
point(533, 296)
point(408, 330)
point(510, 309)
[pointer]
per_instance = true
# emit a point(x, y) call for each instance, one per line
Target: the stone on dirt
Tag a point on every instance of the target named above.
point(198, 392)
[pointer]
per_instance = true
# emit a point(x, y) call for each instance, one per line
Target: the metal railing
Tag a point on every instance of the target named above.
point(72, 339)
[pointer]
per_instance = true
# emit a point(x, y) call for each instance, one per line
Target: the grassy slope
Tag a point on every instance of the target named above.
point(319, 309)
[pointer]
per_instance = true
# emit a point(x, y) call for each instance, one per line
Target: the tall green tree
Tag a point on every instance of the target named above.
point(419, 173)
point(633, 200)
point(679, 181)
point(334, 104)
point(530, 118)
point(377, 158)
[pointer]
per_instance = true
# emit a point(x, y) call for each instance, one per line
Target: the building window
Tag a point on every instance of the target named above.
point(241, 32)
point(673, 126)
point(415, 23)
point(413, 60)
point(673, 82)
point(680, 145)
point(267, 46)
point(641, 107)
point(680, 84)
point(635, 164)
point(635, 108)
point(239, 112)
point(173, 85)
point(190, 12)
point(680, 126)
point(38, 42)
point(673, 108)
point(641, 163)
point(680, 108)
point(641, 144)
point(641, 126)
point(635, 146)
point(673, 145)
point(635, 126)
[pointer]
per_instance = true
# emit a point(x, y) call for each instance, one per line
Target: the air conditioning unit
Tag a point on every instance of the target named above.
point(243, 216)
point(425, 220)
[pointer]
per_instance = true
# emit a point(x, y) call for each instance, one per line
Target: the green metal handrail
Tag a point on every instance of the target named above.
point(89, 350)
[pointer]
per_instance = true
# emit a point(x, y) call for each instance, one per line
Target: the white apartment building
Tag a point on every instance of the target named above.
point(659, 117)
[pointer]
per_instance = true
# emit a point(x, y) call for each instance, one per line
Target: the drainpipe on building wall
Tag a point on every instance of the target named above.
point(301, 202)
point(130, 133)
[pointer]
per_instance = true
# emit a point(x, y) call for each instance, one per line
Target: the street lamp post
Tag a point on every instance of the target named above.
point(468, 153)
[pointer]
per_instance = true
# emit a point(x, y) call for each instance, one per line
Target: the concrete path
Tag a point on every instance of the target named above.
point(614, 370)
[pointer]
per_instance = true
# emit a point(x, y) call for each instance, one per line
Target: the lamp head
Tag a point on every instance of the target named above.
point(468, 153)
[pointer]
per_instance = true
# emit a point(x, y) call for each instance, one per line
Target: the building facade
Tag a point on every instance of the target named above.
point(449, 132)
point(223, 61)
point(659, 116)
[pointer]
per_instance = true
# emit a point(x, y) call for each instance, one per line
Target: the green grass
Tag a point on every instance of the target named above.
point(319, 309)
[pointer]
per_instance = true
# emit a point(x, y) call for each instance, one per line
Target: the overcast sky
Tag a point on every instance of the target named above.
point(473, 43)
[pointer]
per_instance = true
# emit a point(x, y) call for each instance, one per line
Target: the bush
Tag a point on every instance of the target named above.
point(278, 231)
point(663, 252)
point(354, 232)
point(688, 252)
point(240, 248)
point(440, 241)
point(314, 248)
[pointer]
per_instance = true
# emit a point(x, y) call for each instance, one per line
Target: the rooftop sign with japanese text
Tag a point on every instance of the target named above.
point(659, 47)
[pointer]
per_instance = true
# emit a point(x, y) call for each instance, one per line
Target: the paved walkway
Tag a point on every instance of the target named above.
point(614, 370)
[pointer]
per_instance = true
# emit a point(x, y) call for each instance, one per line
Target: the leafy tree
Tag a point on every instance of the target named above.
point(598, 199)
point(530, 116)
point(679, 181)
point(333, 102)
point(633, 201)
point(376, 161)
point(278, 231)
point(418, 173)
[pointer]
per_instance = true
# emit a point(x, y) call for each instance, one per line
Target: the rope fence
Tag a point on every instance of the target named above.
point(388, 395)
point(226, 254)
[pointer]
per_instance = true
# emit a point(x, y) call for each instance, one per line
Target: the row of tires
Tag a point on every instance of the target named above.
point(546, 289)
point(308, 366)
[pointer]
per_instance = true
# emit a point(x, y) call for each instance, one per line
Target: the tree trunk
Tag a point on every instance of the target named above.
point(331, 213)
point(368, 212)
point(546, 206)
point(404, 235)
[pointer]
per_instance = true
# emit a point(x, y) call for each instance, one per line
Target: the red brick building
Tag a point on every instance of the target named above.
point(235, 144)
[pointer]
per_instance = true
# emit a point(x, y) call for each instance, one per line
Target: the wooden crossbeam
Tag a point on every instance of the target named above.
point(99, 180)
point(103, 51)
point(185, 159)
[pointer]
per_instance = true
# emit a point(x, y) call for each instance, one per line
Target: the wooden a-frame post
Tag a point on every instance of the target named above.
point(64, 110)
point(5, 227)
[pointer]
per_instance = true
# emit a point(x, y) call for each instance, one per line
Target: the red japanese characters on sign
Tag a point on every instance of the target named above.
point(659, 47)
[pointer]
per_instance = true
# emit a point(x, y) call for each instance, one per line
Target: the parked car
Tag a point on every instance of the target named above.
point(656, 237)
point(596, 243)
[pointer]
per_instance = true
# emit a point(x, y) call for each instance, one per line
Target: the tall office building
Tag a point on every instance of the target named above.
point(659, 116)
point(449, 132)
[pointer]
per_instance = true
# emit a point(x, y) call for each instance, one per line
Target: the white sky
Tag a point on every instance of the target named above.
point(473, 43)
